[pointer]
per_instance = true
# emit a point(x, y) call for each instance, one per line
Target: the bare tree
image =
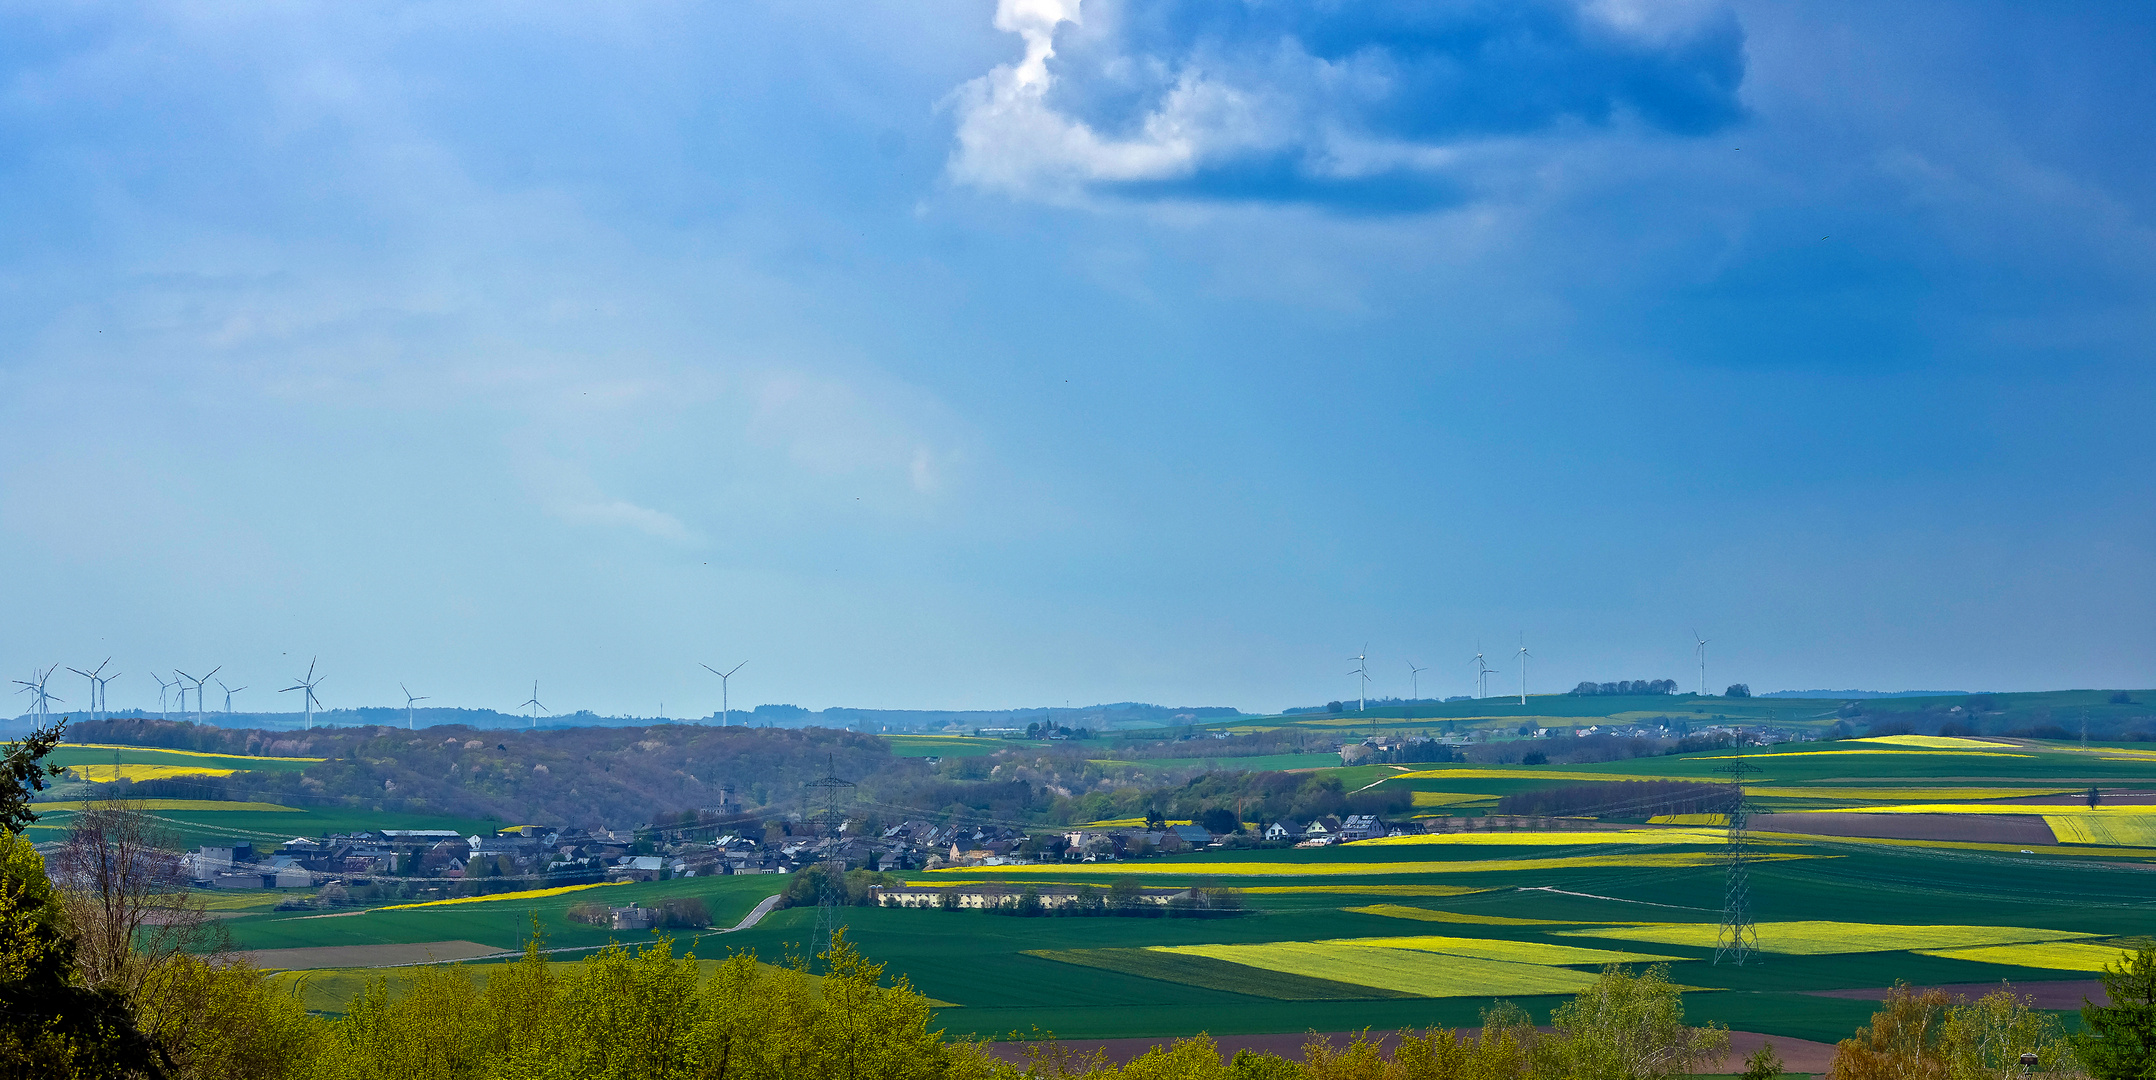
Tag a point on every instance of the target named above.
point(126, 894)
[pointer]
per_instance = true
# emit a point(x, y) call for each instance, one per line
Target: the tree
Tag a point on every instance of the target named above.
point(23, 772)
point(1738, 690)
point(1764, 1064)
point(51, 1025)
point(1126, 894)
point(1628, 1027)
point(1902, 1042)
point(2118, 1041)
point(1220, 820)
point(1154, 822)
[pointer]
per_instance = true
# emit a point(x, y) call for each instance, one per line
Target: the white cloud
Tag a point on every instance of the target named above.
point(621, 513)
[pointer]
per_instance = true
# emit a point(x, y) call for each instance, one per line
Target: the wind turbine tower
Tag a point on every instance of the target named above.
point(1701, 649)
point(1362, 671)
point(725, 705)
point(229, 691)
point(1414, 675)
point(92, 676)
point(1482, 673)
point(162, 686)
point(36, 686)
point(308, 699)
point(1523, 670)
point(199, 706)
point(101, 706)
point(409, 712)
point(534, 704)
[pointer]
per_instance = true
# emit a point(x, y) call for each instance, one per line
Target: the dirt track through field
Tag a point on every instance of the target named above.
point(1798, 1055)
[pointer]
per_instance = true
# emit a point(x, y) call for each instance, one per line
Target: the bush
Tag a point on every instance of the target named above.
point(1535, 757)
point(589, 913)
point(1738, 690)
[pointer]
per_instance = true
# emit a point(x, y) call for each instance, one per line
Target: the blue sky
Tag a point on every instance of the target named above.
point(974, 354)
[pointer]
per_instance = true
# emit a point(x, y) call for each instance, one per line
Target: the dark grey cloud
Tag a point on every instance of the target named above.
point(1367, 106)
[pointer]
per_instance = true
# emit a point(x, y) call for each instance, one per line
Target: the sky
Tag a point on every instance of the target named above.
point(1028, 352)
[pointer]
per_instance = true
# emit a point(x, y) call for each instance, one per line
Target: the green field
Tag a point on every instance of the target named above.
point(1327, 940)
point(943, 745)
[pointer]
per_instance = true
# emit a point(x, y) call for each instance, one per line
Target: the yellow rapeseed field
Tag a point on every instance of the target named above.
point(527, 894)
point(1935, 742)
point(1689, 819)
point(1820, 938)
point(1448, 798)
point(1405, 970)
point(105, 774)
point(1659, 859)
point(1512, 952)
point(181, 753)
point(1552, 838)
point(2121, 829)
point(151, 805)
point(1763, 754)
point(2056, 955)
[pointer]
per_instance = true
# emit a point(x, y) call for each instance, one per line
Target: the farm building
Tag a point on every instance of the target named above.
point(975, 897)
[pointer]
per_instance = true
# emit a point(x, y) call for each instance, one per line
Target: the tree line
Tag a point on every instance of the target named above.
point(1635, 686)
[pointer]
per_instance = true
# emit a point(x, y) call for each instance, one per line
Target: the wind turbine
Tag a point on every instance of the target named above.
point(725, 706)
point(308, 683)
point(229, 691)
point(1701, 649)
point(36, 686)
point(1362, 669)
point(199, 707)
point(162, 686)
point(1482, 673)
point(534, 703)
point(1414, 675)
point(409, 712)
point(101, 705)
point(92, 676)
point(1523, 669)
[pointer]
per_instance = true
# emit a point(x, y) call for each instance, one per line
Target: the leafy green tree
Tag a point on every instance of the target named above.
point(2118, 1041)
point(1985, 1038)
point(1764, 1064)
point(1627, 1027)
point(23, 773)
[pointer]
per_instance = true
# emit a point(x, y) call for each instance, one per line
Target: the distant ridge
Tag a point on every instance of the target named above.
point(1862, 693)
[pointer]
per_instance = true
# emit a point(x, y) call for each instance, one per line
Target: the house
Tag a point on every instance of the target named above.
point(995, 895)
point(1361, 827)
point(1194, 835)
point(637, 868)
point(1284, 830)
point(630, 918)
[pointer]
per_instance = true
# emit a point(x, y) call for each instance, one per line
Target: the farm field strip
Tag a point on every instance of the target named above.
point(1422, 974)
point(523, 894)
point(2139, 829)
point(65, 747)
point(1380, 869)
point(1518, 774)
point(1511, 952)
point(1448, 798)
point(198, 806)
point(1370, 890)
point(105, 774)
point(2055, 955)
point(1213, 974)
point(1553, 838)
point(1903, 794)
point(1996, 808)
point(1403, 911)
point(1933, 742)
point(1967, 845)
point(1912, 752)
point(1821, 938)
